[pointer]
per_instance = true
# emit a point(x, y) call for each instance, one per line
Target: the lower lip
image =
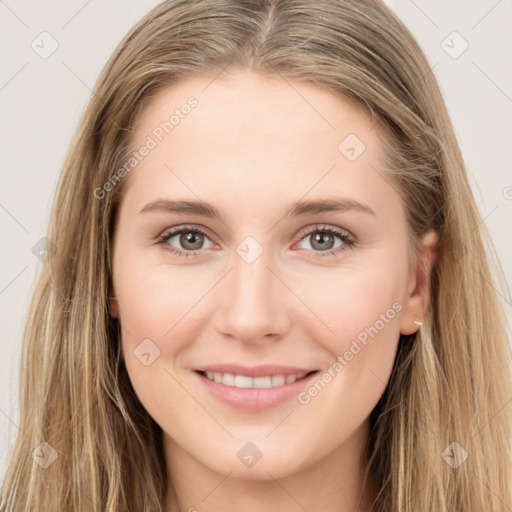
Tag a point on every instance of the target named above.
point(254, 399)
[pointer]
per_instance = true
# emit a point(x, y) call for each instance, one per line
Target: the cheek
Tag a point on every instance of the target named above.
point(356, 375)
point(349, 302)
point(360, 310)
point(154, 298)
point(155, 309)
point(155, 314)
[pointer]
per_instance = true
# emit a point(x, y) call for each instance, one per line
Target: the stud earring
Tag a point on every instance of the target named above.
point(417, 323)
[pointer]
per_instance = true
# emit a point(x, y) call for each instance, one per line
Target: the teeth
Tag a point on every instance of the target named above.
point(243, 381)
point(262, 382)
point(228, 379)
point(278, 380)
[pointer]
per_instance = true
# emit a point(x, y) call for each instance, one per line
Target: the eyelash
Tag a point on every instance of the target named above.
point(348, 240)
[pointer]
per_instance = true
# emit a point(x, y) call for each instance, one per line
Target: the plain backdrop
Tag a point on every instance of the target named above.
point(468, 43)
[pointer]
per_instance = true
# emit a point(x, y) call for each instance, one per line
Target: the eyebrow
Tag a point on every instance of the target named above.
point(298, 208)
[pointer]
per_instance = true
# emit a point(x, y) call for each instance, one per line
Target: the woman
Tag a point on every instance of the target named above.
point(269, 288)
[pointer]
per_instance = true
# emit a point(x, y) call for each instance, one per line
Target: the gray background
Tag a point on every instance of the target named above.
point(41, 101)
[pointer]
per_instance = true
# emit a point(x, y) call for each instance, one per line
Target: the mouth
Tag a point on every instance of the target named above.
point(254, 393)
point(262, 382)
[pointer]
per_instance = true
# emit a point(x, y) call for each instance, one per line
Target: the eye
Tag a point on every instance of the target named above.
point(324, 240)
point(191, 239)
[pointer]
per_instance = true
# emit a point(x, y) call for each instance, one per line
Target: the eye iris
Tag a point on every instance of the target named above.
point(321, 237)
point(191, 237)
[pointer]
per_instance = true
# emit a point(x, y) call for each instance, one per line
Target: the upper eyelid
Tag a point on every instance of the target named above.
point(320, 227)
point(170, 232)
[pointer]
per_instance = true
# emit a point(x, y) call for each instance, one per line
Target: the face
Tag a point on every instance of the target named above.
point(293, 283)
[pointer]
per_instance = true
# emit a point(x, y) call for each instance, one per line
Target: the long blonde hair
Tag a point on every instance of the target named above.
point(450, 383)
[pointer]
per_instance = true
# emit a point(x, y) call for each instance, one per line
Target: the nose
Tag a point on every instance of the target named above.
point(253, 302)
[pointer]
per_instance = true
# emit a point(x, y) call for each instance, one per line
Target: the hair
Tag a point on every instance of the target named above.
point(450, 381)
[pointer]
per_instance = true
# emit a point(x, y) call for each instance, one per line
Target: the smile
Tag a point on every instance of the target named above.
point(244, 381)
point(268, 387)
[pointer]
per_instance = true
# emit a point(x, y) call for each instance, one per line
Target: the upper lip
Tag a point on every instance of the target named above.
point(254, 371)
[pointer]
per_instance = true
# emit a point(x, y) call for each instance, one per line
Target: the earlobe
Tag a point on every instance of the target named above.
point(417, 301)
point(114, 312)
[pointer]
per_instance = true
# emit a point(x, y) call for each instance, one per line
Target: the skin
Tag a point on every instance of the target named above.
point(251, 147)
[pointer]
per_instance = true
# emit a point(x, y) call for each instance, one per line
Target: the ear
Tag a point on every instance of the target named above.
point(112, 303)
point(418, 297)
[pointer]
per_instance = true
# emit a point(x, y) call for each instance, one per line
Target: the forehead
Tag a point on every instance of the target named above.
point(245, 102)
point(258, 136)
